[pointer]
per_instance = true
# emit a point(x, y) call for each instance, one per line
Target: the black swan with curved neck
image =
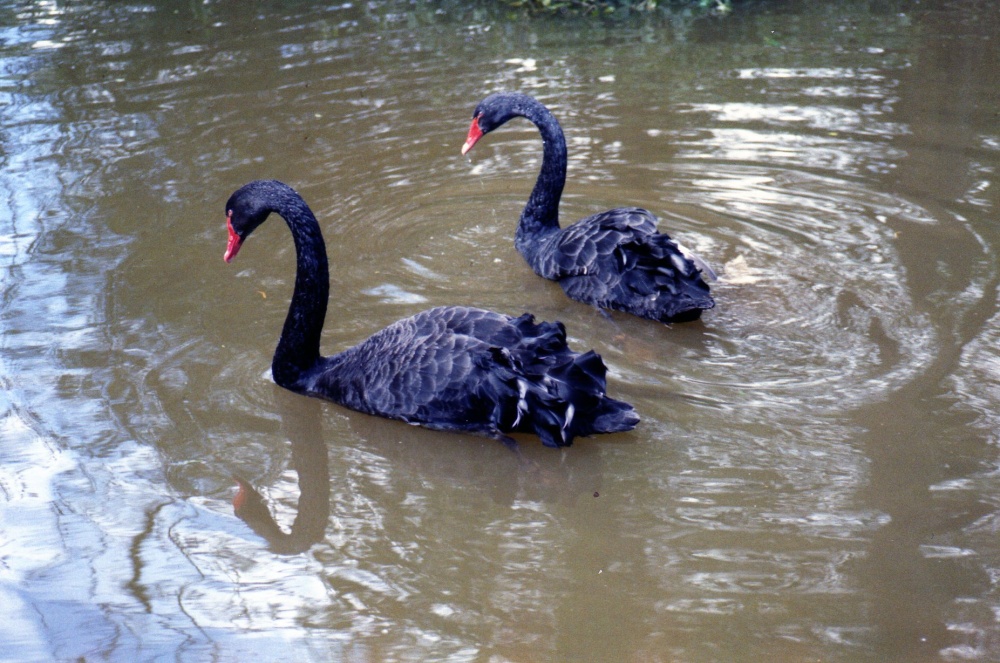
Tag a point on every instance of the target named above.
point(448, 368)
point(614, 259)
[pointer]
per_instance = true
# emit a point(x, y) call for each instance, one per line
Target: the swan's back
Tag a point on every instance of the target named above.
point(616, 259)
point(412, 362)
point(459, 368)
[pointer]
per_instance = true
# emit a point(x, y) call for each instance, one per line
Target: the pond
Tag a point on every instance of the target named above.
point(815, 473)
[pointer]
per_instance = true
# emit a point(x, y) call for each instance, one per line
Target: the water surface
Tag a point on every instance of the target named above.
point(815, 473)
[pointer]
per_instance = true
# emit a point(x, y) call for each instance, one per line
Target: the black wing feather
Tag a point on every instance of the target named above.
point(457, 368)
point(617, 260)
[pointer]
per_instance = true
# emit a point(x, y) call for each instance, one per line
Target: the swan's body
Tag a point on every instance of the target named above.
point(447, 368)
point(615, 259)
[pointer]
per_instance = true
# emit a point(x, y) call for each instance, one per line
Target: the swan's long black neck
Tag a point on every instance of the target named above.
point(298, 348)
point(541, 214)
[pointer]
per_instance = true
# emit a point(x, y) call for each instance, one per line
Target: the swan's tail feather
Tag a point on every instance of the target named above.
point(547, 389)
point(669, 284)
point(703, 267)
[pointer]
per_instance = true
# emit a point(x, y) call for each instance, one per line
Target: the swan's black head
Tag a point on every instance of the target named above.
point(249, 207)
point(495, 110)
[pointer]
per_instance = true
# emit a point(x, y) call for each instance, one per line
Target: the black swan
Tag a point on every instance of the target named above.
point(614, 259)
point(449, 368)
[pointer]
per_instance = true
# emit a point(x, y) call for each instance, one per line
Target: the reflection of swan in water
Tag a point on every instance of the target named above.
point(461, 460)
point(468, 463)
point(411, 451)
point(301, 423)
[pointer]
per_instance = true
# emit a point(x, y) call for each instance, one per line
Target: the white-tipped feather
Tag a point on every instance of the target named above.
point(698, 262)
point(522, 403)
point(569, 419)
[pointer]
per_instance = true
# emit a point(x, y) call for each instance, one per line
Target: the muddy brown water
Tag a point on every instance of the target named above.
point(815, 476)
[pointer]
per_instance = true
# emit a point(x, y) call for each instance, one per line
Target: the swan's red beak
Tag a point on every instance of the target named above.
point(234, 240)
point(475, 133)
point(241, 495)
